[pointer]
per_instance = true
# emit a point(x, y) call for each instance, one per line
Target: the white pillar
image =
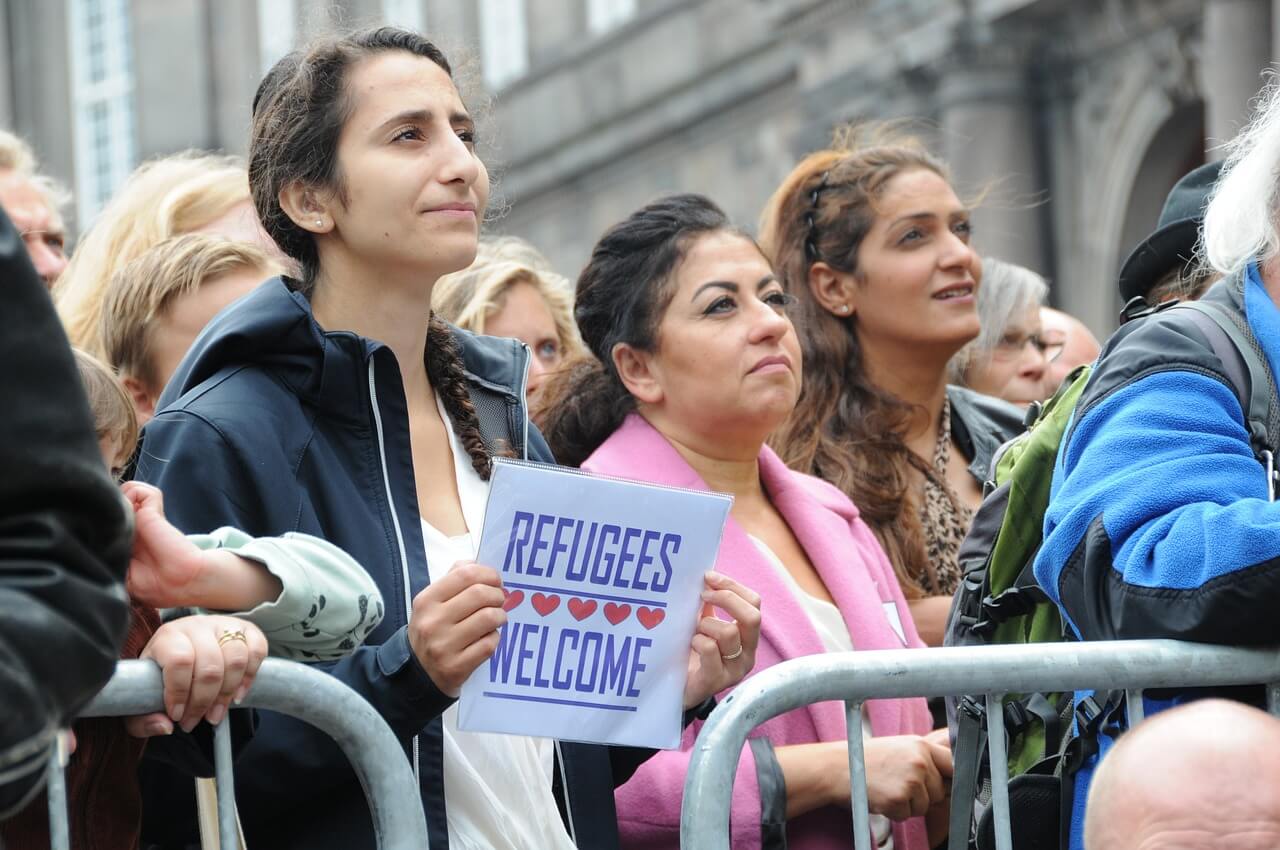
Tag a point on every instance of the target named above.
point(1237, 48)
point(989, 140)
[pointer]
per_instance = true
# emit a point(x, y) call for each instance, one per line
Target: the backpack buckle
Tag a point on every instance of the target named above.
point(1269, 461)
point(971, 707)
point(1138, 307)
point(1013, 602)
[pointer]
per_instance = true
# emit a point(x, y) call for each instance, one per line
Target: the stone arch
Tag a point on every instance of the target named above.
point(1147, 131)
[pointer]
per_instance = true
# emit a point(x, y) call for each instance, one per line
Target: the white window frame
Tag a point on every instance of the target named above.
point(504, 41)
point(406, 14)
point(101, 169)
point(277, 31)
point(606, 15)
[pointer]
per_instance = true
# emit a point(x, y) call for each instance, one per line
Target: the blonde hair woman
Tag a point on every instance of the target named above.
point(189, 192)
point(511, 290)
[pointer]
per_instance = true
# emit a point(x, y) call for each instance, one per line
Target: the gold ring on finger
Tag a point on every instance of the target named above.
point(230, 635)
point(737, 653)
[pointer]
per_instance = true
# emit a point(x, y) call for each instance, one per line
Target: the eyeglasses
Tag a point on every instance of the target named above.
point(811, 238)
point(1010, 347)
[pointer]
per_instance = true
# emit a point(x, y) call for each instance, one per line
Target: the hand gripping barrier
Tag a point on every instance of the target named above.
point(296, 690)
point(854, 677)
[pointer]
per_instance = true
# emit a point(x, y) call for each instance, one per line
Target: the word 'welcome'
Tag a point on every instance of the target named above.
point(582, 661)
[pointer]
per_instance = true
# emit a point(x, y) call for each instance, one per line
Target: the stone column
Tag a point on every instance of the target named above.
point(1237, 48)
point(988, 138)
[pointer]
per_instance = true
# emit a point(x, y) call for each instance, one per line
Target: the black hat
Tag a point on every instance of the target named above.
point(1173, 244)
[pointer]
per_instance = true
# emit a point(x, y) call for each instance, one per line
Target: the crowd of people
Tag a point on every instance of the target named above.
point(302, 367)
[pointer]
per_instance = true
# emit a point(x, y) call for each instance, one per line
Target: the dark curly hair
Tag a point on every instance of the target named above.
point(621, 296)
point(299, 111)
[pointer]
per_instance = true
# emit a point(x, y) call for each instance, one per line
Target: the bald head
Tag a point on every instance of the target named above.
point(1203, 776)
point(1079, 345)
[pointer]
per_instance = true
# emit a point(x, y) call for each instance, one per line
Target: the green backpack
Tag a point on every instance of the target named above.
point(999, 602)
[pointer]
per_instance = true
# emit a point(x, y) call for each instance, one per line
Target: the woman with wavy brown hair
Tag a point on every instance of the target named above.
point(874, 243)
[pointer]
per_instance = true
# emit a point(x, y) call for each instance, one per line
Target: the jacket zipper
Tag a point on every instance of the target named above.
point(524, 398)
point(395, 521)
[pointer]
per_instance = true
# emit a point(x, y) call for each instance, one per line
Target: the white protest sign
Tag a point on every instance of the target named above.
point(603, 580)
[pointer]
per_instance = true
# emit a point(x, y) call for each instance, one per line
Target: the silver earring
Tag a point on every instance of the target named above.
point(844, 309)
point(319, 223)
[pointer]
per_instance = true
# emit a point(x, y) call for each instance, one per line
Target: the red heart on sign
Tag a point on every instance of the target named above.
point(544, 605)
point(581, 609)
point(650, 617)
point(512, 600)
point(616, 613)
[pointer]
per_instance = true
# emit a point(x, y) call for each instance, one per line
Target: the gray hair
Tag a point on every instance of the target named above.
point(1007, 290)
point(1240, 222)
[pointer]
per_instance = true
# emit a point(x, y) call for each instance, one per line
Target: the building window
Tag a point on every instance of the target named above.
point(406, 14)
point(102, 99)
point(277, 30)
point(504, 41)
point(604, 15)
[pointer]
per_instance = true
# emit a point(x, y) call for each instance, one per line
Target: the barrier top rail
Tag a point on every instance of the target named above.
point(324, 702)
point(854, 677)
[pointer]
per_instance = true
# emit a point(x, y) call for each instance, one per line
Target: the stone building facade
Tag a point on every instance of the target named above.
point(1070, 118)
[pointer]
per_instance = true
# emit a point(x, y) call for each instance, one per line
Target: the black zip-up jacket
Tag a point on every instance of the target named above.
point(65, 533)
point(273, 425)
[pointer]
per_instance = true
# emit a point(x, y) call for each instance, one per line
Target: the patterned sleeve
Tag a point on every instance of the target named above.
point(328, 604)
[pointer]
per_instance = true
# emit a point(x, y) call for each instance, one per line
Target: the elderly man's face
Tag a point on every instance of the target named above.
point(40, 225)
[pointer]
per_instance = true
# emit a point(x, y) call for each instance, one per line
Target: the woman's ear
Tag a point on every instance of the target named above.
point(306, 208)
point(833, 290)
point(635, 368)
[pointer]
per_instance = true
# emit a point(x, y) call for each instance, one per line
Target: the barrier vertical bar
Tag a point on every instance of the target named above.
point(858, 777)
point(56, 791)
point(999, 771)
point(224, 778)
point(1273, 698)
point(1134, 708)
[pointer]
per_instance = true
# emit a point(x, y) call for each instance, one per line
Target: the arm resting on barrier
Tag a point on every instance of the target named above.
point(288, 762)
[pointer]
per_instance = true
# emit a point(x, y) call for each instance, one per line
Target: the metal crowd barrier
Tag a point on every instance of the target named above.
point(289, 688)
point(855, 677)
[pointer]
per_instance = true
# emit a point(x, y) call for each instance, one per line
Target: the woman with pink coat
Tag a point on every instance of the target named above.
point(696, 362)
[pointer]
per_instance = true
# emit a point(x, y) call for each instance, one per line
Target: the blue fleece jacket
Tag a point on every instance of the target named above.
point(1159, 524)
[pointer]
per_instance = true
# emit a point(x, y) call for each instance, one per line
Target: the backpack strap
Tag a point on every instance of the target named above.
point(1235, 345)
point(971, 734)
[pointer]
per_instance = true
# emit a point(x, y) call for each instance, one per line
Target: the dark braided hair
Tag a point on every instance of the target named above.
point(299, 111)
point(621, 296)
point(444, 369)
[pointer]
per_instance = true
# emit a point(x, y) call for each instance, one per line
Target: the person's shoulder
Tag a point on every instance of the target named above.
point(986, 413)
point(246, 406)
point(1165, 342)
point(827, 496)
point(243, 392)
point(498, 361)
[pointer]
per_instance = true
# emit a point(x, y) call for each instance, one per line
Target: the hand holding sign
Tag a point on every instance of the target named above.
point(604, 582)
point(454, 625)
point(722, 653)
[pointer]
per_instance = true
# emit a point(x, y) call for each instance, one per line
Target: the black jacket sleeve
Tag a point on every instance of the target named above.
point(65, 533)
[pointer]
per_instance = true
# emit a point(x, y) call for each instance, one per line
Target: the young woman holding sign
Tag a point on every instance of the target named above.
point(696, 363)
point(335, 404)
